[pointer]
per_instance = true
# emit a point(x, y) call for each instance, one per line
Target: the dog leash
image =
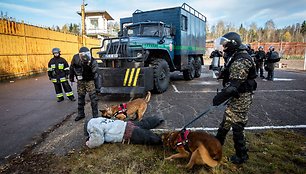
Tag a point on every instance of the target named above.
point(203, 113)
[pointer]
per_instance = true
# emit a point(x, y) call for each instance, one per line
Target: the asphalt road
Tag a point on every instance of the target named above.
point(28, 107)
point(277, 103)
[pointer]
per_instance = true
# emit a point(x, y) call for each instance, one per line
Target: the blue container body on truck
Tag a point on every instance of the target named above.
point(150, 45)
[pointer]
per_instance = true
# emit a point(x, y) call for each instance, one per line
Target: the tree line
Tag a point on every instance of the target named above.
point(253, 33)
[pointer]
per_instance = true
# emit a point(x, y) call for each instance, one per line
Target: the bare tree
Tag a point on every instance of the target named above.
point(270, 30)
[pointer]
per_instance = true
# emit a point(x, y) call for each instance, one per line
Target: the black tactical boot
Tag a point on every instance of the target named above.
point(79, 117)
point(240, 145)
point(94, 105)
point(60, 99)
point(81, 111)
point(71, 98)
point(221, 135)
point(235, 159)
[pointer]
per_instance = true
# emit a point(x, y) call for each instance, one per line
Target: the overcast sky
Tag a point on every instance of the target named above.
point(60, 12)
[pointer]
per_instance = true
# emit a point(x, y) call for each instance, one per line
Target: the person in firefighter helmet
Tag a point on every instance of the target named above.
point(58, 71)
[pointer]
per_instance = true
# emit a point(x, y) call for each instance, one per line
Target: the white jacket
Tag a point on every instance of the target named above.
point(102, 129)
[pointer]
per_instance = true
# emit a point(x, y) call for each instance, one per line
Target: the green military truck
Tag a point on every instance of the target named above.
point(151, 44)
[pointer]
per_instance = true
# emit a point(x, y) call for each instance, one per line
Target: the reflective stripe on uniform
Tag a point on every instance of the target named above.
point(68, 94)
point(66, 69)
point(54, 80)
point(53, 66)
point(60, 66)
point(50, 69)
point(63, 79)
point(59, 95)
point(131, 77)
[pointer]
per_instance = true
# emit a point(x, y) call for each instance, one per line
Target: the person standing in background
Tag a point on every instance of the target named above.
point(58, 71)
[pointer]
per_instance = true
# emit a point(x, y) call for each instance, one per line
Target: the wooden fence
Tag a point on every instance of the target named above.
point(26, 49)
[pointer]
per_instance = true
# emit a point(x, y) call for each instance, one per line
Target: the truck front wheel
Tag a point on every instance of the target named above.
point(161, 75)
point(189, 73)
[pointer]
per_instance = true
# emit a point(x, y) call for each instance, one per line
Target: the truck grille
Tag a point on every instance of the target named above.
point(119, 48)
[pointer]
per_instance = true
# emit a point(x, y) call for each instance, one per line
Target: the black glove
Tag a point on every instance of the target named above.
point(220, 98)
point(225, 94)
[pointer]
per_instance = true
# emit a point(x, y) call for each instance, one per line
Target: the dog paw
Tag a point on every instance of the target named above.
point(169, 159)
point(180, 166)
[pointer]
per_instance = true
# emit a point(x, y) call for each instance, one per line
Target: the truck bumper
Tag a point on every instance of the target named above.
point(125, 80)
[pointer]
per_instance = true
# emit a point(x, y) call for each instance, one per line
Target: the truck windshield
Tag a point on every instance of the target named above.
point(144, 30)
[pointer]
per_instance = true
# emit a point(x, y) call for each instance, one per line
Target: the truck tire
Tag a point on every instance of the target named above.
point(161, 75)
point(190, 72)
point(198, 67)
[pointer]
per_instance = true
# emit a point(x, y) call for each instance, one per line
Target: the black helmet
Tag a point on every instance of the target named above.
point(231, 41)
point(84, 55)
point(260, 47)
point(56, 51)
point(83, 49)
point(271, 48)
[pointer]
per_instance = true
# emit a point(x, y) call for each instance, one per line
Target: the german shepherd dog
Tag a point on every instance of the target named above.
point(127, 110)
point(201, 147)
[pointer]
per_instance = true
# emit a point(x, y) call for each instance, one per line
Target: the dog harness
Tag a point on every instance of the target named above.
point(183, 139)
point(121, 110)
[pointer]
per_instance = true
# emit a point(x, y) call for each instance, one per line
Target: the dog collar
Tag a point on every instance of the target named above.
point(182, 139)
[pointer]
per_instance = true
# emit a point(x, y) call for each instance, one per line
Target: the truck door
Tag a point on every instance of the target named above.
point(169, 41)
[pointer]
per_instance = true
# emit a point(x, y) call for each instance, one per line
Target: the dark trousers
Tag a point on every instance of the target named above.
point(270, 69)
point(59, 91)
point(142, 134)
point(259, 67)
point(270, 75)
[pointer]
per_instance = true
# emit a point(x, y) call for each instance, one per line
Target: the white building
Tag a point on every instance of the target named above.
point(96, 23)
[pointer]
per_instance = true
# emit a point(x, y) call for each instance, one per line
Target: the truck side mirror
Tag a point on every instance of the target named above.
point(125, 32)
point(120, 34)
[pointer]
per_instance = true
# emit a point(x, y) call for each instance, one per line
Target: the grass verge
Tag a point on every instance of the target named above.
point(276, 151)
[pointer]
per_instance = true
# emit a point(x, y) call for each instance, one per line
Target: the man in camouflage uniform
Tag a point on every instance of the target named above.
point(84, 68)
point(239, 84)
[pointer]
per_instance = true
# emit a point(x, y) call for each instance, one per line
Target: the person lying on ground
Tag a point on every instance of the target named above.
point(101, 130)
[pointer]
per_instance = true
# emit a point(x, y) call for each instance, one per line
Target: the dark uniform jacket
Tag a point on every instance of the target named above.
point(58, 69)
point(84, 72)
point(259, 56)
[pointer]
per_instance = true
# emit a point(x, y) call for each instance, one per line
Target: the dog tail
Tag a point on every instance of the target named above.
point(148, 97)
point(206, 157)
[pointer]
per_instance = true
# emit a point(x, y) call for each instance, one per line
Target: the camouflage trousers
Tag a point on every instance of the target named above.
point(84, 87)
point(235, 116)
point(236, 111)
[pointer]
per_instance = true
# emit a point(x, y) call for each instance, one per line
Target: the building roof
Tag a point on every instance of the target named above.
point(97, 13)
